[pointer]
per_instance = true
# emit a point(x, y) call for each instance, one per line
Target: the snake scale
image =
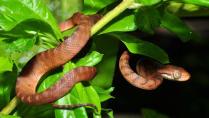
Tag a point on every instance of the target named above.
point(50, 59)
point(151, 78)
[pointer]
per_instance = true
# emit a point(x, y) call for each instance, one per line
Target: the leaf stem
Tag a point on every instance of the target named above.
point(111, 14)
point(10, 106)
point(101, 23)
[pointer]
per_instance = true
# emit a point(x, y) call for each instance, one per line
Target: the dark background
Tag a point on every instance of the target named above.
point(174, 99)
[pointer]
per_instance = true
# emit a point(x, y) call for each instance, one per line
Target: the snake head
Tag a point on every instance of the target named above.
point(175, 73)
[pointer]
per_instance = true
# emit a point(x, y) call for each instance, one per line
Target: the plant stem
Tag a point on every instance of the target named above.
point(101, 23)
point(110, 15)
point(10, 106)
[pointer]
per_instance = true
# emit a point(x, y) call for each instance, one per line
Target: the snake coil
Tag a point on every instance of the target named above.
point(50, 59)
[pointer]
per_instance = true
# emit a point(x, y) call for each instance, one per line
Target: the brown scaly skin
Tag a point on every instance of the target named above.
point(48, 60)
point(149, 82)
point(150, 78)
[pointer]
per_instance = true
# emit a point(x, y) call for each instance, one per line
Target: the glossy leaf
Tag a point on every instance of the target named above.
point(13, 12)
point(64, 9)
point(31, 111)
point(90, 59)
point(79, 93)
point(7, 83)
point(75, 113)
point(109, 112)
point(8, 116)
point(148, 19)
point(106, 45)
point(5, 65)
point(19, 51)
point(204, 3)
point(177, 26)
point(104, 94)
point(148, 2)
point(123, 23)
point(92, 6)
point(145, 48)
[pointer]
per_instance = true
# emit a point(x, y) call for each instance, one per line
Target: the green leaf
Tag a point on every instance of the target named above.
point(19, 51)
point(148, 19)
point(49, 81)
point(13, 12)
point(149, 113)
point(79, 93)
point(87, 94)
point(91, 59)
point(93, 6)
point(7, 84)
point(123, 23)
point(145, 48)
point(204, 3)
point(106, 68)
point(75, 113)
point(110, 114)
point(177, 26)
point(68, 66)
point(8, 116)
point(5, 64)
point(148, 2)
point(31, 111)
point(67, 99)
point(104, 94)
point(62, 10)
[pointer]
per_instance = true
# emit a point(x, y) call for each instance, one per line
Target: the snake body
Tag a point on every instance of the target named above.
point(50, 59)
point(150, 78)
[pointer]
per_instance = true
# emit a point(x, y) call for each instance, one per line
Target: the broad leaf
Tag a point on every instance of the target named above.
point(177, 26)
point(75, 113)
point(19, 51)
point(31, 111)
point(64, 9)
point(148, 19)
point(92, 6)
point(106, 45)
point(104, 94)
point(80, 93)
point(109, 112)
point(123, 23)
point(7, 84)
point(148, 2)
point(8, 116)
point(204, 3)
point(145, 48)
point(5, 64)
point(13, 12)
point(91, 59)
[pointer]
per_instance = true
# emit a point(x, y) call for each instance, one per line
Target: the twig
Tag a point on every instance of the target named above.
point(10, 106)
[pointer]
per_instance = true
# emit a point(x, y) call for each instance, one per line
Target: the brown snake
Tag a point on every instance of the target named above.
point(50, 59)
point(150, 79)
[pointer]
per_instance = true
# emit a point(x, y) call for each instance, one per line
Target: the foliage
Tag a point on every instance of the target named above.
point(28, 27)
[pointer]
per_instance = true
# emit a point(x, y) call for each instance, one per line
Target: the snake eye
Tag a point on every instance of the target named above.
point(176, 75)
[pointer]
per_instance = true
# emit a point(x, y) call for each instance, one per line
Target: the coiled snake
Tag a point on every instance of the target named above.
point(151, 78)
point(45, 61)
point(48, 60)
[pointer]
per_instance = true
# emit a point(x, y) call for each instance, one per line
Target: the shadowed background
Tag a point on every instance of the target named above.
point(174, 99)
